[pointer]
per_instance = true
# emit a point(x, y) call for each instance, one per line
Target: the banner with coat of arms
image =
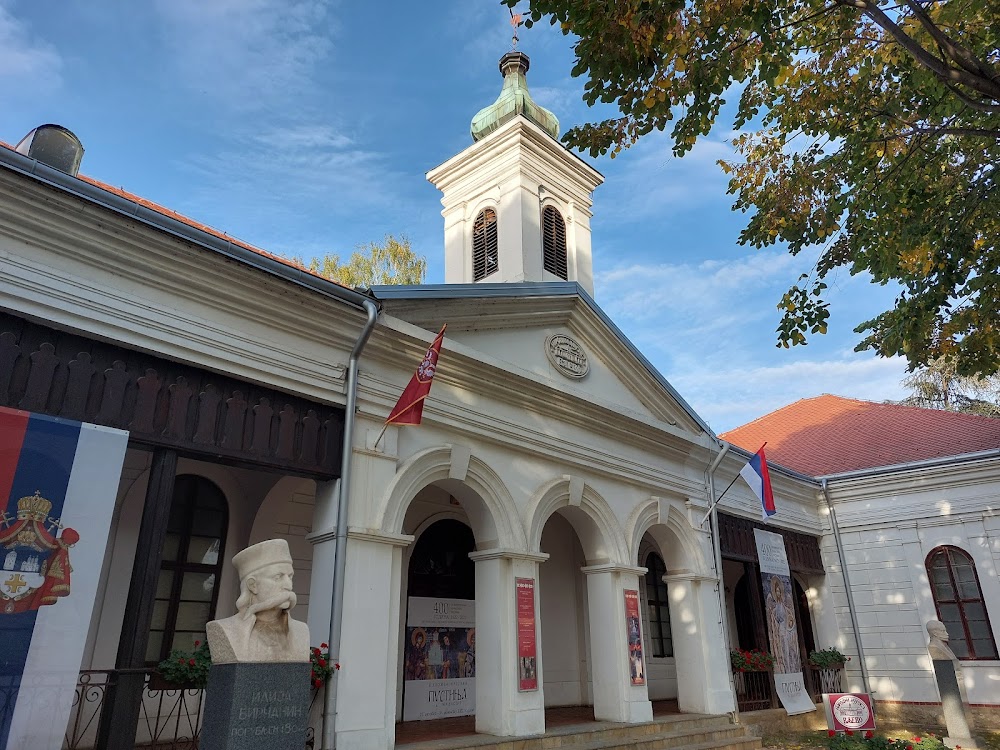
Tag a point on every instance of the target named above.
point(58, 483)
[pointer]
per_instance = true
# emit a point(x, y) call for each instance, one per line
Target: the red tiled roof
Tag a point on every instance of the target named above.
point(829, 434)
point(121, 192)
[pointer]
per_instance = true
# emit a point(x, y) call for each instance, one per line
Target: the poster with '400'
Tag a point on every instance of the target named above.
point(439, 659)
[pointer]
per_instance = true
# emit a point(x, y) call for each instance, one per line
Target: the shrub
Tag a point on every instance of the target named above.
point(828, 658)
point(322, 667)
point(870, 741)
point(188, 669)
point(750, 661)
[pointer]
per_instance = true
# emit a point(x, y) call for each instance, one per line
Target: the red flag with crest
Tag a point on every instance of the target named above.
point(410, 407)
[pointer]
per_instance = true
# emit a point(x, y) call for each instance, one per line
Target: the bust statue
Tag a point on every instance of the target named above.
point(938, 646)
point(261, 630)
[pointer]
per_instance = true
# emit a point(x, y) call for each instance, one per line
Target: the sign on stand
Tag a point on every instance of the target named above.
point(439, 663)
point(848, 711)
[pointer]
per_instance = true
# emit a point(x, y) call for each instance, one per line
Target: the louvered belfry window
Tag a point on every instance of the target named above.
point(485, 258)
point(554, 242)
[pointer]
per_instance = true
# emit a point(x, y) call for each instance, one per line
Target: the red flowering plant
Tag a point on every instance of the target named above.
point(322, 667)
point(744, 660)
point(868, 740)
point(187, 669)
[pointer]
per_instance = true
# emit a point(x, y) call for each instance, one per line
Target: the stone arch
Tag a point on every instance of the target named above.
point(484, 496)
point(676, 541)
point(596, 525)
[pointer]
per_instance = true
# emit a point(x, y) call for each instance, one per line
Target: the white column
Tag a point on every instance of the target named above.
point(366, 684)
point(324, 540)
point(501, 708)
point(615, 697)
point(700, 653)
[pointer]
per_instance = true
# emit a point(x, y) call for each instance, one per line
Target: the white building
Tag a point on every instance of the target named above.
point(550, 449)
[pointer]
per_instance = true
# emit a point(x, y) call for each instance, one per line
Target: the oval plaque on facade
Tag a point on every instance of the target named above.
point(567, 355)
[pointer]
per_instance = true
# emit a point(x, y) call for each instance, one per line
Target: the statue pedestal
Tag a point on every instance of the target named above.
point(257, 706)
point(952, 706)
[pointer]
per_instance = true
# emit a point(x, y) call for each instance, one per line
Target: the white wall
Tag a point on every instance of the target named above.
point(563, 603)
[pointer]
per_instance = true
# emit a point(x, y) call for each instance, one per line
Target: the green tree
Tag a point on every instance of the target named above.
point(392, 261)
point(868, 128)
point(938, 385)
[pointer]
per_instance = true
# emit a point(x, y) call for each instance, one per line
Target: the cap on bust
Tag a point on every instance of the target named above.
point(260, 555)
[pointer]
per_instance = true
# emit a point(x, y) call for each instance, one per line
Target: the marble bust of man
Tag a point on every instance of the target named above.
point(938, 646)
point(262, 629)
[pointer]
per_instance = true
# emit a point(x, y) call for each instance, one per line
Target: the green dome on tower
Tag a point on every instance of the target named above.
point(514, 100)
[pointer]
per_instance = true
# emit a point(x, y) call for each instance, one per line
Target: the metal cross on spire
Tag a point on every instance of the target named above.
point(515, 22)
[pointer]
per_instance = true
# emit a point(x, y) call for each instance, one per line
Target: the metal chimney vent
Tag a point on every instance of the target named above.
point(55, 146)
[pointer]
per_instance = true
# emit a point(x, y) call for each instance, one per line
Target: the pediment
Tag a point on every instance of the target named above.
point(562, 337)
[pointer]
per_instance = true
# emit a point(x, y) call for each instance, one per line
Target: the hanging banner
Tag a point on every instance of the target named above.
point(527, 652)
point(58, 484)
point(633, 627)
point(779, 611)
point(439, 662)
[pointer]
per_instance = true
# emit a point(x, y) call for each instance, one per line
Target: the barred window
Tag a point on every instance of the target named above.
point(659, 611)
point(190, 564)
point(959, 602)
point(554, 242)
point(485, 258)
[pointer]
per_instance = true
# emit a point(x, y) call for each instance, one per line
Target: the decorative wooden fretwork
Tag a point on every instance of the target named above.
point(164, 403)
point(737, 543)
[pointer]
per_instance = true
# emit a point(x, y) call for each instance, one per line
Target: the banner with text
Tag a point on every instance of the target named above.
point(58, 483)
point(439, 662)
point(779, 611)
point(633, 625)
point(527, 651)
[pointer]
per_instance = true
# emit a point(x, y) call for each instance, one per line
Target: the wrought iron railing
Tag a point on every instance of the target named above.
point(825, 681)
point(754, 690)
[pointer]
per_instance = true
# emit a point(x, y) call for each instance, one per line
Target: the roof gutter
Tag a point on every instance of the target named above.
point(329, 739)
point(927, 463)
point(847, 587)
point(132, 209)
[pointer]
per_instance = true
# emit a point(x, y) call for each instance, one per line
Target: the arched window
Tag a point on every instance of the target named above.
point(187, 589)
point(659, 612)
point(485, 258)
point(554, 242)
point(959, 602)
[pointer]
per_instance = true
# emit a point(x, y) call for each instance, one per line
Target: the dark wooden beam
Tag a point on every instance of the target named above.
point(120, 714)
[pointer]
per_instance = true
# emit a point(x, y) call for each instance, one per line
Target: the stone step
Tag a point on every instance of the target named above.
point(687, 732)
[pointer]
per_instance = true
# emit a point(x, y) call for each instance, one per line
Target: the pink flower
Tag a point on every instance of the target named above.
point(869, 734)
point(336, 665)
point(831, 733)
point(323, 645)
point(849, 732)
point(191, 661)
point(197, 643)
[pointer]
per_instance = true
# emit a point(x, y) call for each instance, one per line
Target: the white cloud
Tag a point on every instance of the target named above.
point(247, 54)
point(730, 393)
point(27, 64)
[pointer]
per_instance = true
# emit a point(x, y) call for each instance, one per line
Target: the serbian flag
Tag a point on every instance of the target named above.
point(410, 407)
point(58, 483)
point(756, 475)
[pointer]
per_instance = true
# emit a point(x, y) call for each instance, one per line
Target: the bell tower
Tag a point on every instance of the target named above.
point(516, 202)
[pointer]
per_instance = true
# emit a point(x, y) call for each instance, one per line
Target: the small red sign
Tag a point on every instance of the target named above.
point(527, 654)
point(849, 711)
point(633, 629)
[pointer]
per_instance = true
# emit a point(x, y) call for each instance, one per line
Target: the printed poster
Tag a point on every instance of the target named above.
point(779, 611)
point(58, 484)
point(849, 712)
point(633, 627)
point(527, 652)
point(439, 662)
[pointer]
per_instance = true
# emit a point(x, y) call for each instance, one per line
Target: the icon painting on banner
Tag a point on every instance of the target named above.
point(439, 659)
point(633, 626)
point(527, 652)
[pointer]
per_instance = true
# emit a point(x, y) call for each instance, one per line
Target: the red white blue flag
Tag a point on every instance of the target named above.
point(755, 474)
point(58, 483)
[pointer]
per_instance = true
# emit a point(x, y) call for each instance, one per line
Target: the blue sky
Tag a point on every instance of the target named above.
point(306, 126)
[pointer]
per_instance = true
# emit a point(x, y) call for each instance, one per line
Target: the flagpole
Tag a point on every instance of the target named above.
point(379, 438)
point(719, 498)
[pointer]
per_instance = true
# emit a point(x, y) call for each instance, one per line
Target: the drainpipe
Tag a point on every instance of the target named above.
point(340, 553)
point(720, 585)
point(847, 586)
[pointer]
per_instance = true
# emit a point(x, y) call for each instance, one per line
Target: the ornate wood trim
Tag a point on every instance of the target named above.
point(737, 543)
point(166, 404)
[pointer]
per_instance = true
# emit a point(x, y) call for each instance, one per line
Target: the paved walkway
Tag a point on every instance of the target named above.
point(410, 732)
